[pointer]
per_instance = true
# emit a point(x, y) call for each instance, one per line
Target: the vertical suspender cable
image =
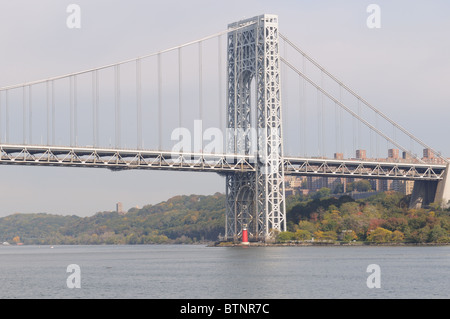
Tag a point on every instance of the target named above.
point(359, 125)
point(7, 117)
point(95, 107)
point(372, 153)
point(394, 135)
point(115, 107)
point(200, 87)
point(336, 127)
point(71, 109)
point(30, 114)
point(118, 122)
point(139, 103)
point(220, 74)
point(180, 82)
point(323, 117)
point(303, 121)
point(341, 121)
point(377, 137)
point(24, 118)
point(117, 104)
point(75, 122)
point(1, 126)
point(53, 114)
point(319, 122)
point(337, 124)
point(200, 79)
point(159, 103)
point(285, 91)
point(301, 106)
point(48, 111)
point(94, 139)
point(354, 134)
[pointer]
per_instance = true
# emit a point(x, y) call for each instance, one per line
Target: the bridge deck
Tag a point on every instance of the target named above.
point(363, 169)
point(121, 159)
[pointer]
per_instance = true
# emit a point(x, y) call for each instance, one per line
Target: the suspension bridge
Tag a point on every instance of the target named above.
point(246, 103)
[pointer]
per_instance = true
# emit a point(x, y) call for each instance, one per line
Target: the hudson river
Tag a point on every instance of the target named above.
point(195, 271)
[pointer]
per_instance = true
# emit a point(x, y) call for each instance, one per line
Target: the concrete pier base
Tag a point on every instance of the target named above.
point(427, 192)
point(443, 190)
point(424, 193)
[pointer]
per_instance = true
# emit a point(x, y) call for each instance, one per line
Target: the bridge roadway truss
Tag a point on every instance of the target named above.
point(123, 159)
point(363, 169)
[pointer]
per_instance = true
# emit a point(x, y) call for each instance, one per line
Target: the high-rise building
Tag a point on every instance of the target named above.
point(406, 156)
point(428, 153)
point(361, 154)
point(119, 208)
point(393, 153)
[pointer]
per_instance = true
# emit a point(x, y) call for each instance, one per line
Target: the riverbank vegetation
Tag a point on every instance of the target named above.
point(181, 219)
point(382, 218)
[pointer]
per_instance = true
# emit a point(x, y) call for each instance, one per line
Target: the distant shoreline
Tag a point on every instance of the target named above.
point(252, 244)
point(322, 244)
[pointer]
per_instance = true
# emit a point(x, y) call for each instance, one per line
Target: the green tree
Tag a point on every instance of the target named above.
point(438, 235)
point(349, 235)
point(307, 225)
point(325, 235)
point(329, 235)
point(331, 221)
point(322, 193)
point(380, 235)
point(285, 236)
point(420, 235)
point(302, 234)
point(338, 189)
point(363, 186)
point(397, 236)
point(396, 223)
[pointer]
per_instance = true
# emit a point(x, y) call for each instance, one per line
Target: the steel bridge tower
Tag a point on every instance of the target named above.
point(254, 127)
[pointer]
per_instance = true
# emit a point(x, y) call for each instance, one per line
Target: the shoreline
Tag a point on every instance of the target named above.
point(254, 244)
point(325, 244)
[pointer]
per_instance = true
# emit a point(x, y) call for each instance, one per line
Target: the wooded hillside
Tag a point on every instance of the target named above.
point(384, 217)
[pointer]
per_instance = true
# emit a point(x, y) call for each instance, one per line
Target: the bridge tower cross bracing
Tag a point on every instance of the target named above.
point(256, 199)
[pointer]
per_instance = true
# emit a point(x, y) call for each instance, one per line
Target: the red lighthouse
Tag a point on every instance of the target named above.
point(245, 235)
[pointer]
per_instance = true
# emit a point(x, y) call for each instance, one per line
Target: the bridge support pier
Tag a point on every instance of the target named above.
point(427, 192)
point(424, 193)
point(443, 190)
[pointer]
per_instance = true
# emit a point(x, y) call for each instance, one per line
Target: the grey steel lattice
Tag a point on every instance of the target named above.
point(256, 199)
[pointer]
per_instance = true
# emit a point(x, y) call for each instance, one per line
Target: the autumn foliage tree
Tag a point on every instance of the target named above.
point(382, 218)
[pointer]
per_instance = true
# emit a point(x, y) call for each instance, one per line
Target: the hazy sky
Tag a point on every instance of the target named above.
point(403, 68)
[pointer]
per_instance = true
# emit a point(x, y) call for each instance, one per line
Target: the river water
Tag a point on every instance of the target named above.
point(200, 272)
